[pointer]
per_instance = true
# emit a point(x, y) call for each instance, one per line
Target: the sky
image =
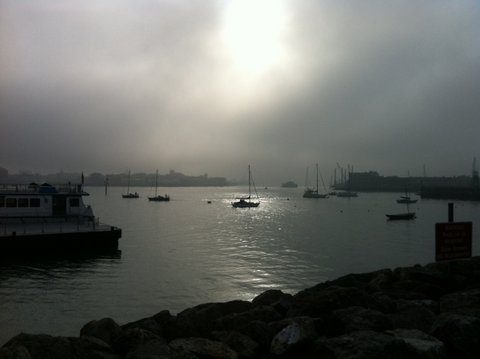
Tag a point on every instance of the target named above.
point(211, 86)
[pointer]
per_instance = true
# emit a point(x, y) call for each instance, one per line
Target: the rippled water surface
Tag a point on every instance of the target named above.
point(178, 254)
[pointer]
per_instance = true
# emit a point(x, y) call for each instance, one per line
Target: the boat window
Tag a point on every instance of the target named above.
point(34, 202)
point(2, 201)
point(74, 202)
point(23, 202)
point(11, 202)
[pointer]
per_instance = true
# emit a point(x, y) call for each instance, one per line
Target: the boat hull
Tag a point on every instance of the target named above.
point(66, 242)
point(130, 195)
point(314, 195)
point(406, 201)
point(401, 216)
point(245, 204)
point(159, 199)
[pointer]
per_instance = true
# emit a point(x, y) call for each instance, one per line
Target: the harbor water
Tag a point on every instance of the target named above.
point(177, 254)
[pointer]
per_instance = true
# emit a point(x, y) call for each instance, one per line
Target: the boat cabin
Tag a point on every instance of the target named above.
point(43, 200)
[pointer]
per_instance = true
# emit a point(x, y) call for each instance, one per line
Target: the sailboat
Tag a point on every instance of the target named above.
point(313, 193)
point(158, 198)
point(406, 199)
point(245, 202)
point(402, 216)
point(128, 194)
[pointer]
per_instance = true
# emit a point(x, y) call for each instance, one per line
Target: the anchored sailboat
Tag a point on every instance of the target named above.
point(158, 198)
point(313, 193)
point(402, 216)
point(245, 202)
point(128, 194)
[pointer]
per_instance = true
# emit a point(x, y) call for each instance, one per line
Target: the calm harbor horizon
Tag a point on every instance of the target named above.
point(174, 255)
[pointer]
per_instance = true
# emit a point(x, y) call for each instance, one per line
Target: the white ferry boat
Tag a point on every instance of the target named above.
point(44, 217)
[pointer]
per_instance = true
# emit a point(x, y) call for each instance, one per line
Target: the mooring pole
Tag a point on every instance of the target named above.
point(450, 212)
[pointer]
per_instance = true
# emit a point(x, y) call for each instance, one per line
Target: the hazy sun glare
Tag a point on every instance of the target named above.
point(253, 34)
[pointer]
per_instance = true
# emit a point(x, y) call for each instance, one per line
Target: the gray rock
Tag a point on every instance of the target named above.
point(18, 352)
point(466, 302)
point(105, 329)
point(275, 298)
point(291, 337)
point(204, 348)
point(243, 345)
point(356, 280)
point(317, 301)
point(130, 339)
point(149, 350)
point(149, 324)
point(361, 345)
point(466, 272)
point(383, 303)
point(49, 347)
point(357, 318)
point(261, 332)
point(422, 344)
point(238, 321)
point(414, 314)
point(199, 320)
point(460, 333)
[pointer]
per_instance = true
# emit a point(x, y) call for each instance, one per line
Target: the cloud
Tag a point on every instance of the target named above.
point(105, 86)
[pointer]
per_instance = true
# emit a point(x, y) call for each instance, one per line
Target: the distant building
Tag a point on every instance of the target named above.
point(3, 172)
point(371, 181)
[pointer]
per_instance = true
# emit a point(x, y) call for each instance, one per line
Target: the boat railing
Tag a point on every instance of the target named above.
point(42, 225)
point(34, 188)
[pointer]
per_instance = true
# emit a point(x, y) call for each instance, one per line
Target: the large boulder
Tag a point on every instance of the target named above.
point(151, 349)
point(242, 344)
point(204, 348)
point(294, 336)
point(356, 318)
point(320, 301)
point(466, 272)
point(414, 314)
point(17, 352)
point(361, 281)
point(420, 343)
point(261, 332)
point(275, 298)
point(460, 333)
point(43, 346)
point(361, 345)
point(104, 329)
point(199, 320)
point(465, 302)
point(157, 324)
point(132, 338)
point(238, 321)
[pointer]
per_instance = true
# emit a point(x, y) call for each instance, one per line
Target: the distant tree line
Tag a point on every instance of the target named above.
point(171, 179)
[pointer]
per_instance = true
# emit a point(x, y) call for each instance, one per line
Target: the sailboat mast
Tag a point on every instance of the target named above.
point(249, 184)
point(128, 183)
point(317, 177)
point(156, 182)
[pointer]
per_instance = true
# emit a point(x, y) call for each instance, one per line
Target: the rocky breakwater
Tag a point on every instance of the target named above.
point(430, 311)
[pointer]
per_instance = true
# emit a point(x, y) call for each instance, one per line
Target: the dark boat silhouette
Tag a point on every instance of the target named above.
point(246, 202)
point(157, 197)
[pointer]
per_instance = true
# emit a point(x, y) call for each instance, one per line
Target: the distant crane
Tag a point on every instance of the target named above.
point(475, 178)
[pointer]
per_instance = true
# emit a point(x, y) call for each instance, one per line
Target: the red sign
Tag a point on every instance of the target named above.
point(453, 240)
